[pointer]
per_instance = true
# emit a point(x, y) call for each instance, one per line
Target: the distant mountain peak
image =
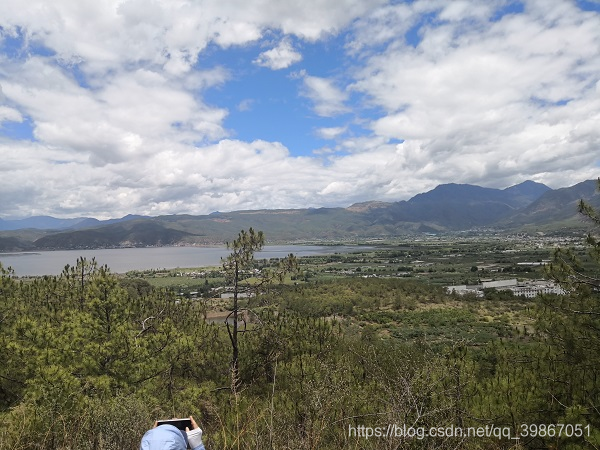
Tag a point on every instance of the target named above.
point(53, 223)
point(526, 192)
point(516, 196)
point(456, 192)
point(529, 186)
point(40, 223)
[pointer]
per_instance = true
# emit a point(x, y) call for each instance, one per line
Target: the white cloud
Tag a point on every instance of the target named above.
point(487, 101)
point(337, 187)
point(327, 98)
point(381, 25)
point(116, 100)
point(130, 131)
point(280, 57)
point(116, 122)
point(10, 114)
point(331, 132)
point(245, 105)
point(104, 35)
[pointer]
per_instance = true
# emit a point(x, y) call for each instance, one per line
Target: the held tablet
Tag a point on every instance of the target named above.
point(177, 423)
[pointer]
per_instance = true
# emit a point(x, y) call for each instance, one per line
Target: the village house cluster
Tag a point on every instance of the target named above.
point(527, 288)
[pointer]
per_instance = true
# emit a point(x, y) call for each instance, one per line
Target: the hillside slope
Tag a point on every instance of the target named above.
point(142, 233)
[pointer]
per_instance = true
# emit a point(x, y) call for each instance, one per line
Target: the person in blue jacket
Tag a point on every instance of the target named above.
point(167, 437)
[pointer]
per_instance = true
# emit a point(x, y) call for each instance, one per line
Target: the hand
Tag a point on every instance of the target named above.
point(194, 424)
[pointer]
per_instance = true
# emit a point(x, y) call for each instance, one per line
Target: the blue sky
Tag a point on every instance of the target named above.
point(272, 104)
point(151, 107)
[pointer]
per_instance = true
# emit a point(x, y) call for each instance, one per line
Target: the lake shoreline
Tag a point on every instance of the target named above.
point(123, 260)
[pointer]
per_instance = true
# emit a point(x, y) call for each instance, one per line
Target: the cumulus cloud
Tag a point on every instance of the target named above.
point(10, 114)
point(105, 35)
point(331, 132)
point(115, 101)
point(176, 179)
point(114, 122)
point(280, 57)
point(433, 91)
point(494, 99)
point(327, 98)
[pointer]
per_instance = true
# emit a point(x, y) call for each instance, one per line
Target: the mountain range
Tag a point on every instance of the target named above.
point(528, 206)
point(52, 223)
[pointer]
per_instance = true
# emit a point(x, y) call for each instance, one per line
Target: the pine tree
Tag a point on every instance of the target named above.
point(239, 260)
point(571, 324)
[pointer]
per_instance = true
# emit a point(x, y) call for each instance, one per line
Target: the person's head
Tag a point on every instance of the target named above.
point(164, 437)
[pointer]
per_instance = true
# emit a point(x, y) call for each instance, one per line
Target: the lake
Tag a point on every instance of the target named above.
point(122, 260)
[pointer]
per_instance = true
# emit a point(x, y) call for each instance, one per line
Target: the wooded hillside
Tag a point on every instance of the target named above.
point(90, 360)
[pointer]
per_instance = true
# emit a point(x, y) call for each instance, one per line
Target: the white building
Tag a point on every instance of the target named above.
point(499, 284)
point(528, 288)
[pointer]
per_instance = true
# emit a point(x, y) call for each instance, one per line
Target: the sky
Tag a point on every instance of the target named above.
point(156, 107)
